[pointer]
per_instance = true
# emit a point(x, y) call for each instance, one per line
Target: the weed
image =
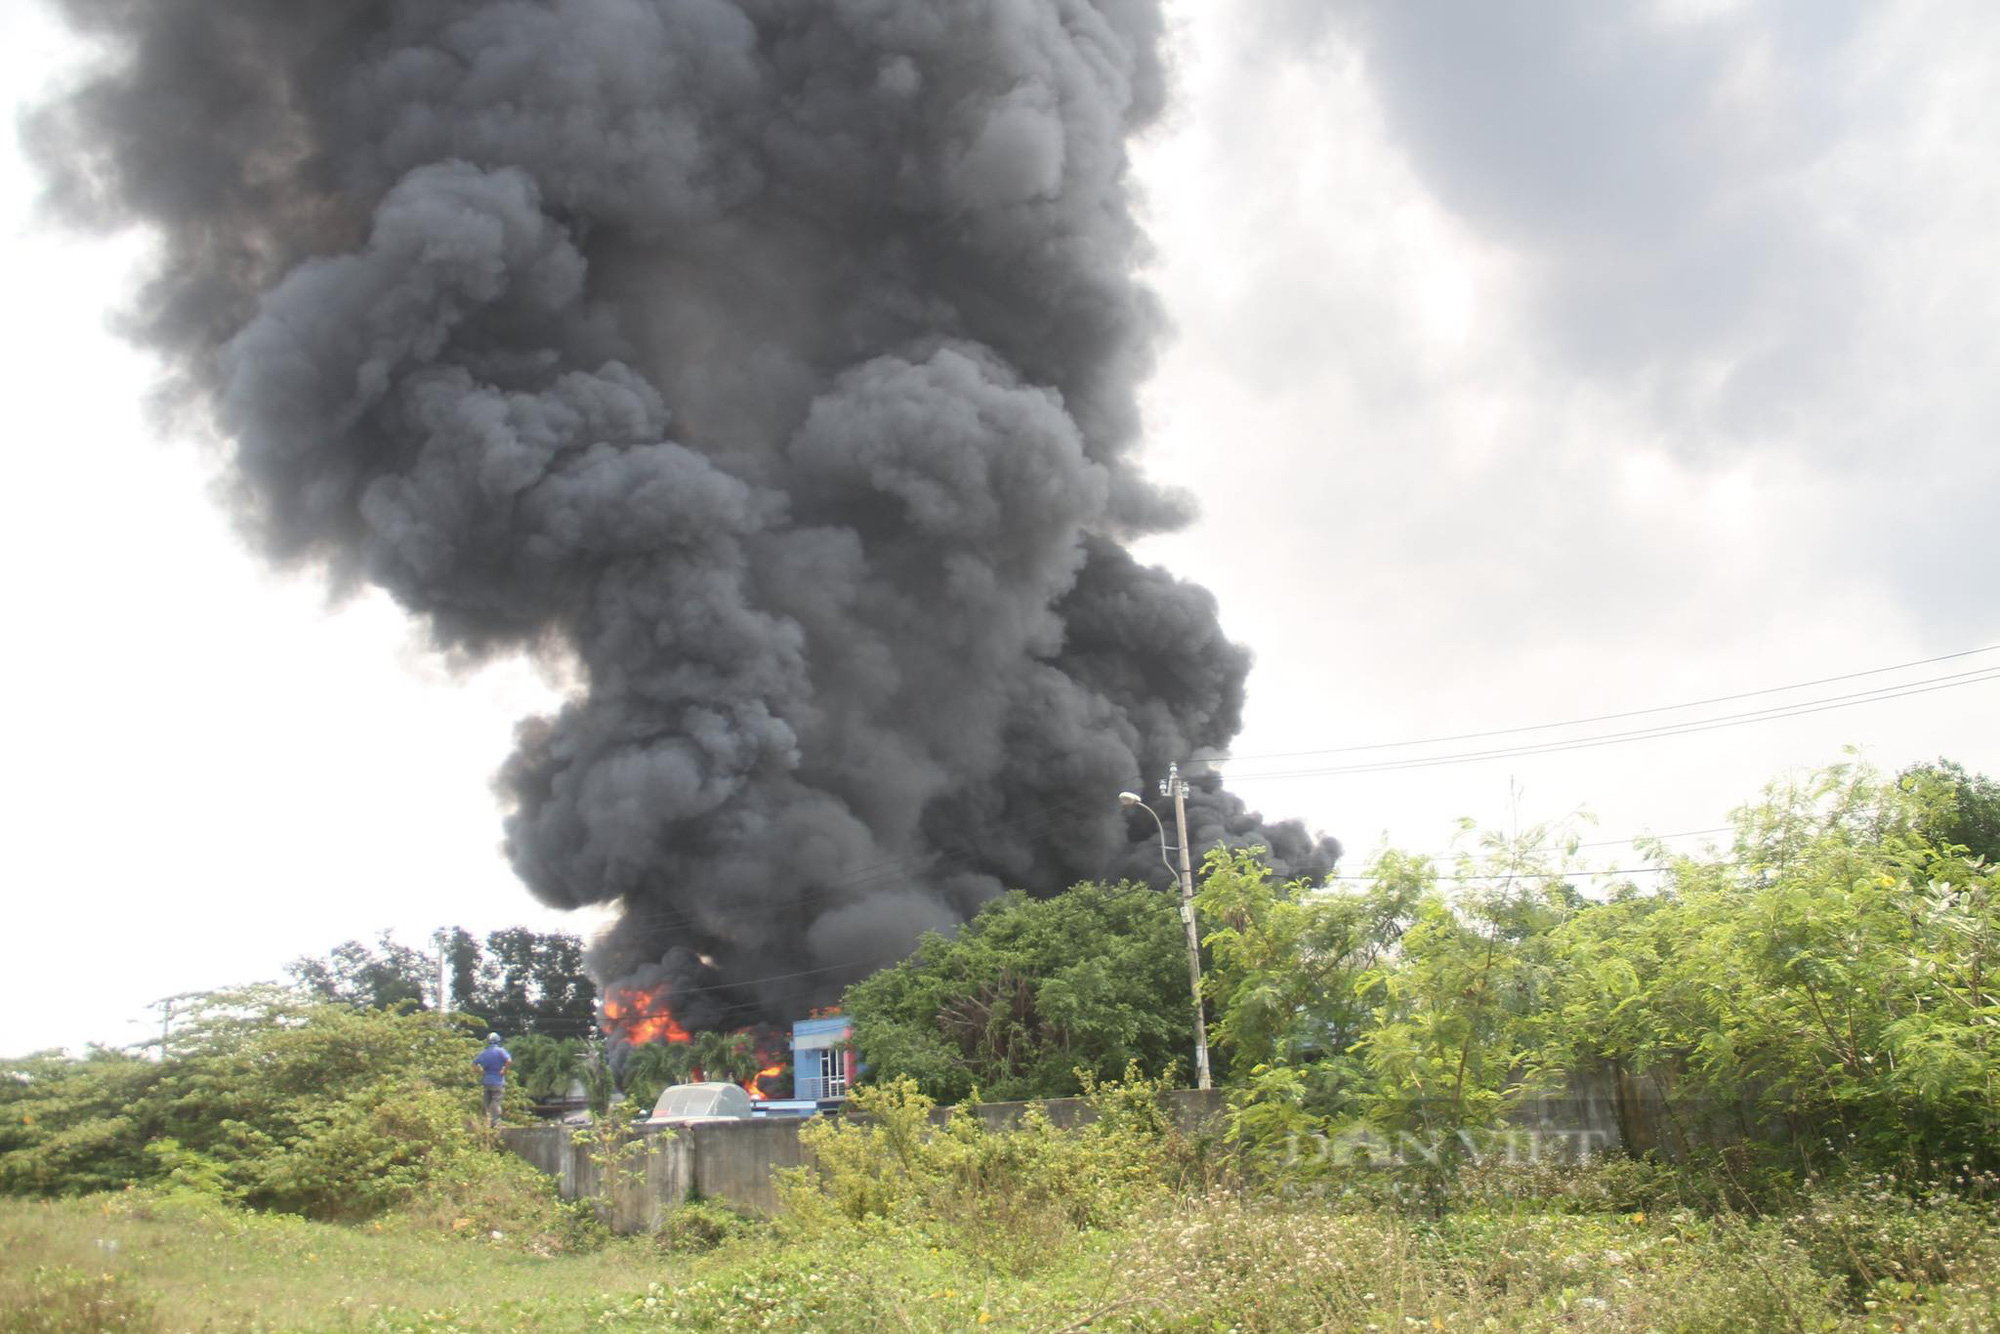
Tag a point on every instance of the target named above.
point(59, 1299)
point(698, 1226)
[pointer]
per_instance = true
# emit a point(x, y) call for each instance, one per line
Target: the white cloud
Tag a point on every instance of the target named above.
point(1533, 374)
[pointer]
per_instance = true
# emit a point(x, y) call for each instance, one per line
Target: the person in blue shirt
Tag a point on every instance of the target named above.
point(493, 1063)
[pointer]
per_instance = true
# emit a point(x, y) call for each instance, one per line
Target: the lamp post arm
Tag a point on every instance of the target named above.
point(1165, 856)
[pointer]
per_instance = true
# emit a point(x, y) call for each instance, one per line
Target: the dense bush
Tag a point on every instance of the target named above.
point(1818, 998)
point(701, 1225)
point(320, 1110)
point(1018, 1194)
point(1827, 983)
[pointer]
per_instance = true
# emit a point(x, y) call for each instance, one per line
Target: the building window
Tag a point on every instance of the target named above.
point(832, 1072)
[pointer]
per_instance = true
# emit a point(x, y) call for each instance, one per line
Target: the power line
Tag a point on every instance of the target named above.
point(1442, 857)
point(1605, 717)
point(1798, 710)
point(1503, 877)
point(1636, 838)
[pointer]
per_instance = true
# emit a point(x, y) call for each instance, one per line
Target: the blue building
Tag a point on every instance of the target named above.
point(824, 1062)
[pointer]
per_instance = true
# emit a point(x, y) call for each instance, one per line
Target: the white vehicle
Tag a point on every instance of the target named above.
point(693, 1104)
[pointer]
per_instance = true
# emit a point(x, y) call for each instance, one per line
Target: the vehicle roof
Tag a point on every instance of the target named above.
point(709, 1098)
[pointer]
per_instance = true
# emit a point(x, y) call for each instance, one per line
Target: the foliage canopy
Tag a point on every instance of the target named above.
point(519, 981)
point(1028, 992)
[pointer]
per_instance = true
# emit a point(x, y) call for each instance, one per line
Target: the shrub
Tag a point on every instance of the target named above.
point(261, 1100)
point(1014, 1196)
point(1869, 1233)
point(701, 1225)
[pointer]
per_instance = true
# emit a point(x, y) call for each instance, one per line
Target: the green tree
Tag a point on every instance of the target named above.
point(1288, 961)
point(391, 974)
point(546, 1067)
point(532, 981)
point(519, 981)
point(1028, 992)
point(1406, 1006)
point(1959, 809)
point(565, 998)
point(730, 1057)
point(462, 957)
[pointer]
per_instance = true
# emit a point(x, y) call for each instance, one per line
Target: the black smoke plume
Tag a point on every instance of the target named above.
point(772, 362)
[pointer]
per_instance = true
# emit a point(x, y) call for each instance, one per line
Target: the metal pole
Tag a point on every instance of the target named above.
point(1179, 790)
point(444, 987)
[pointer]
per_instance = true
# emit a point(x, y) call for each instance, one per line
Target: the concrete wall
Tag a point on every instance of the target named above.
point(638, 1181)
point(734, 1162)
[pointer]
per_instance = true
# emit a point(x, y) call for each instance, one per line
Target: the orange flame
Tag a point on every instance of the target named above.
point(642, 1016)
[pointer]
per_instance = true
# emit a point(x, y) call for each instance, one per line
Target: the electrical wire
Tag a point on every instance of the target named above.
point(1510, 876)
point(1689, 727)
point(1638, 838)
point(1603, 717)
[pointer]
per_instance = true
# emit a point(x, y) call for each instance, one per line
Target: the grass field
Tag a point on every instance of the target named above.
point(1848, 1261)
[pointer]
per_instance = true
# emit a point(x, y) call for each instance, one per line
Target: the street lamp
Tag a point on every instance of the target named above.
point(1174, 787)
point(1134, 799)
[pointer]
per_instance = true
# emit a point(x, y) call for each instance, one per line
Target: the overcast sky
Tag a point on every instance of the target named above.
point(1532, 363)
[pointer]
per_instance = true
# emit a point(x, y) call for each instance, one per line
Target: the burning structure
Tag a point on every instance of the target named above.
point(639, 1017)
point(769, 366)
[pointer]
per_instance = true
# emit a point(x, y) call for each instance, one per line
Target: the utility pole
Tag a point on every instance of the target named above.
point(1177, 789)
point(184, 1001)
point(444, 986)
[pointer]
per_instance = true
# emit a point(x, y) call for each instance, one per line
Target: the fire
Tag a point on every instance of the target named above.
point(642, 1016)
point(754, 1085)
point(639, 1016)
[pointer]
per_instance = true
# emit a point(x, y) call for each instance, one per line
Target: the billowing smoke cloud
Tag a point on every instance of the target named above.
point(772, 363)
